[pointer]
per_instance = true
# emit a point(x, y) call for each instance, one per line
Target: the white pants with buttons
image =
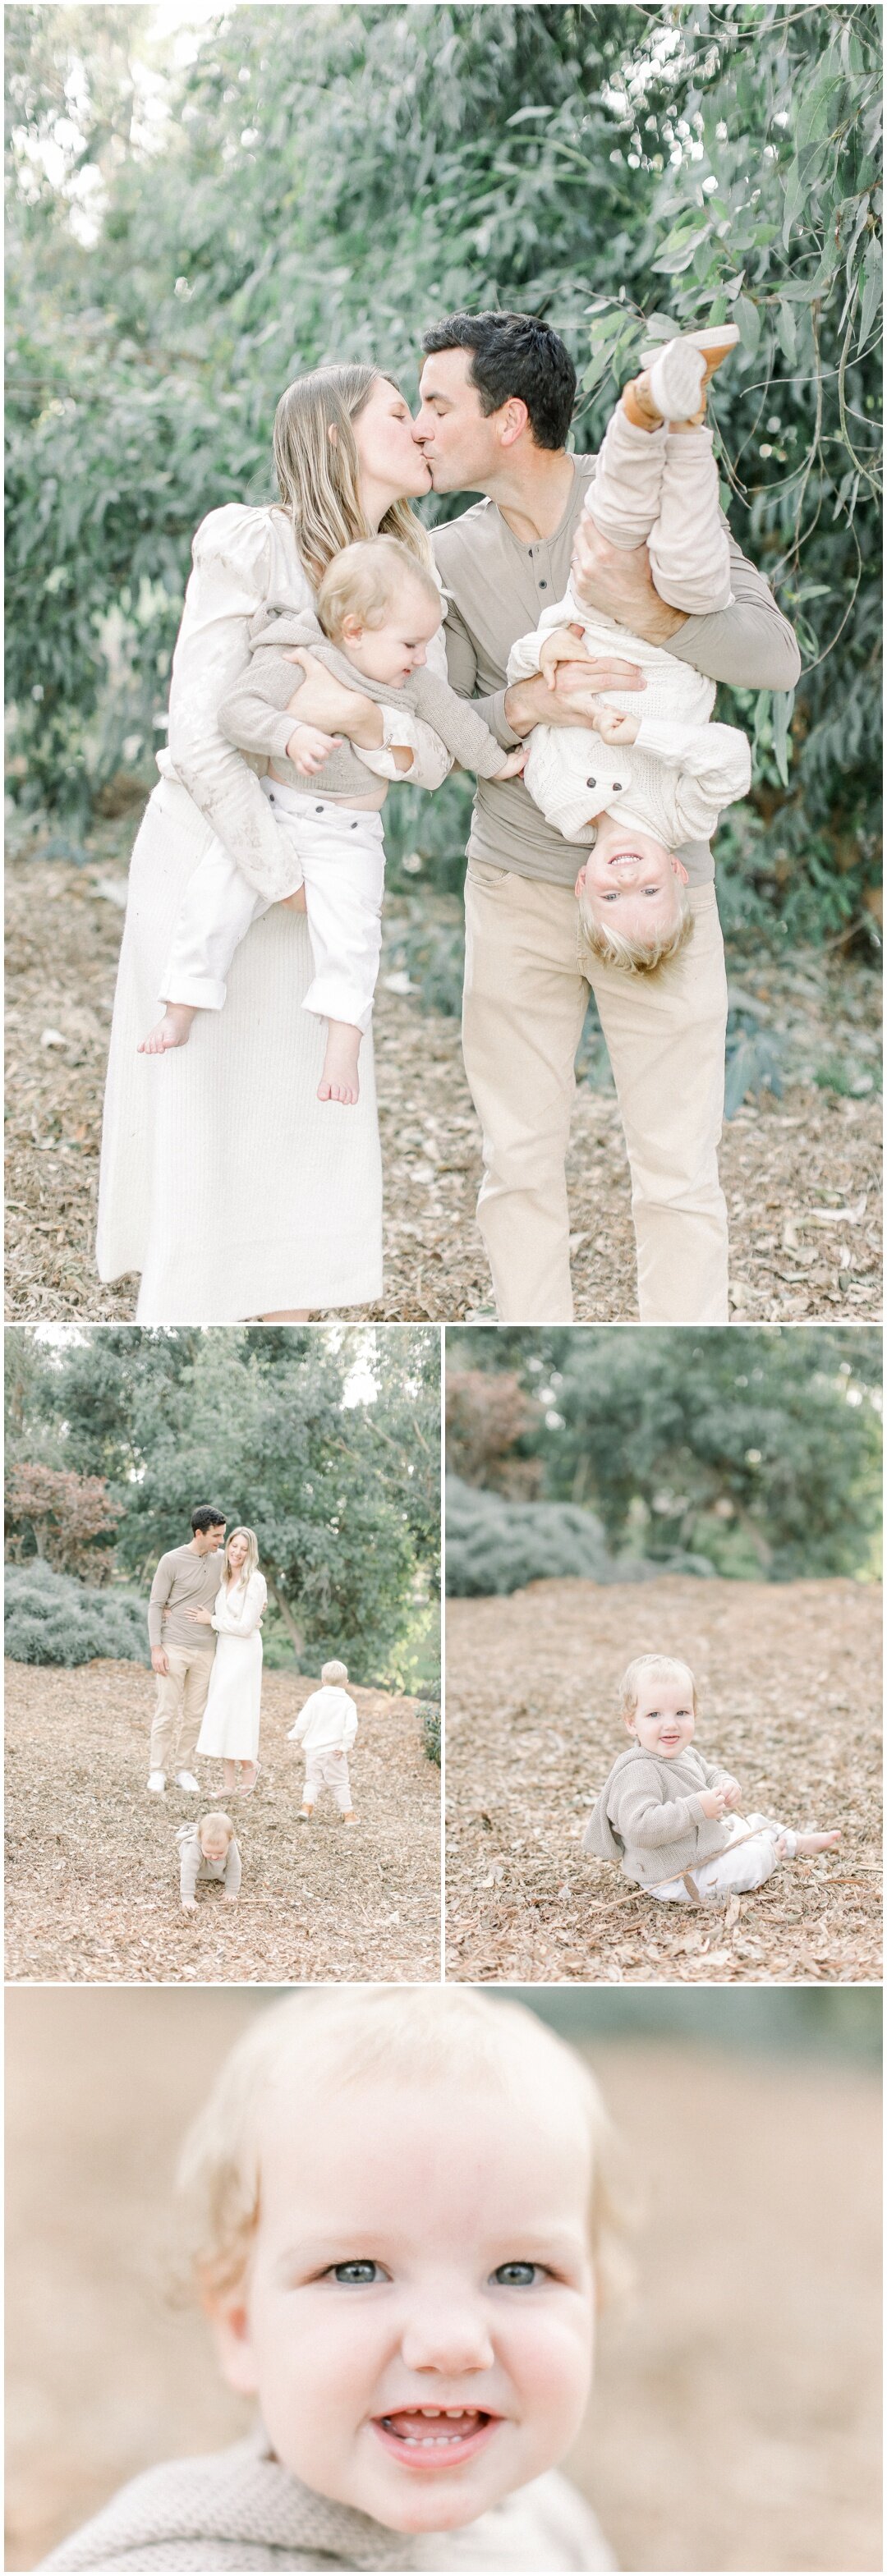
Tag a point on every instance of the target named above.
point(326, 1765)
point(343, 864)
point(755, 1861)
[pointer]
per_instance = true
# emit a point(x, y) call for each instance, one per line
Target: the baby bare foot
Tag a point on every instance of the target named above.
point(806, 1843)
point(173, 1030)
point(339, 1080)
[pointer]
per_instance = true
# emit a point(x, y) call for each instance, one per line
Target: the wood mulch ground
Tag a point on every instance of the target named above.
point(790, 1683)
point(92, 1863)
point(801, 1174)
point(735, 2422)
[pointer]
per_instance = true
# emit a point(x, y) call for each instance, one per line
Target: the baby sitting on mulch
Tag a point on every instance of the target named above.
point(209, 1849)
point(663, 1810)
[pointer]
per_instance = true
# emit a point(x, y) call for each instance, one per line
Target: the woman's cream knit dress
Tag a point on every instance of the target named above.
point(224, 1181)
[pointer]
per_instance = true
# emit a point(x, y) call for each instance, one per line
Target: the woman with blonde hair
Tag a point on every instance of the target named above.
point(225, 1182)
point(230, 1727)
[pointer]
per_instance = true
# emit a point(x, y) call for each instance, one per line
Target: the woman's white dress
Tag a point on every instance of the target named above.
point(230, 1727)
point(224, 1181)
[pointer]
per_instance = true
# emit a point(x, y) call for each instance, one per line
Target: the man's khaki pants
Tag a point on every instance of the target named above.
point(525, 1001)
point(181, 1700)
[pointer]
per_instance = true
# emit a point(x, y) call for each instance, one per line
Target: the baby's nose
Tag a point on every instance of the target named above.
point(448, 2337)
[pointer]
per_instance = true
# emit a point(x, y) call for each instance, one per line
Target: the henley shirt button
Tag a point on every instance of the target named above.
point(543, 585)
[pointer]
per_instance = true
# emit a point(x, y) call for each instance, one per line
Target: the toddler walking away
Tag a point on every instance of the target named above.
point(209, 1849)
point(377, 611)
point(326, 1728)
point(403, 2219)
point(673, 1820)
point(638, 787)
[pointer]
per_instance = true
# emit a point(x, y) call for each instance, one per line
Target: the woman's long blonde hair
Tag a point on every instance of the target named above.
point(251, 1559)
point(319, 476)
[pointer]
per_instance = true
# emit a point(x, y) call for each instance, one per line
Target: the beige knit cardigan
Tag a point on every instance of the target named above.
point(238, 2510)
point(254, 713)
point(649, 1817)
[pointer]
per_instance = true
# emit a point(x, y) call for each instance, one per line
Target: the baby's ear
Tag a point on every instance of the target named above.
point(679, 869)
point(229, 2318)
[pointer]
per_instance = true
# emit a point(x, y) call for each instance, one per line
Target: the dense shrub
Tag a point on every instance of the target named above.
point(497, 1546)
point(52, 1619)
point(429, 1720)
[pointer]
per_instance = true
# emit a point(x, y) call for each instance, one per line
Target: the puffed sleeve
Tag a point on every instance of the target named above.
point(243, 1622)
point(431, 759)
point(232, 557)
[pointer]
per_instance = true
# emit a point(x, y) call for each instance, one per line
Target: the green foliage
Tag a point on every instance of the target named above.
point(758, 1448)
point(52, 1619)
point(429, 1720)
point(315, 184)
point(325, 1443)
point(495, 1545)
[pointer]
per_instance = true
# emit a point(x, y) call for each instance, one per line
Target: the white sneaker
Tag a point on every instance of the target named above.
point(186, 1780)
point(157, 1782)
point(676, 379)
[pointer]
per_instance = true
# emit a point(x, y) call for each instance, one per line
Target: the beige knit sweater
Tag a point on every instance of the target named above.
point(648, 1815)
point(253, 715)
point(238, 2510)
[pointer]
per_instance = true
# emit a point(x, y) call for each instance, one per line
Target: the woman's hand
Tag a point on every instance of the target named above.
point(202, 1618)
point(308, 748)
point(324, 701)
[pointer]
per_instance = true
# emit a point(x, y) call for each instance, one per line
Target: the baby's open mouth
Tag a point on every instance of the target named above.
point(433, 2436)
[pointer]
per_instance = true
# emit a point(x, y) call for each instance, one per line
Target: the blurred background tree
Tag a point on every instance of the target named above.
point(751, 1453)
point(192, 221)
point(326, 1444)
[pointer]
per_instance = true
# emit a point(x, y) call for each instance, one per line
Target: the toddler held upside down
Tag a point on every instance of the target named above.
point(673, 1820)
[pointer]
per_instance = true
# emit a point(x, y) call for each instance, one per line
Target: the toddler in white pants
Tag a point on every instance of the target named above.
point(638, 785)
point(378, 608)
point(326, 1728)
point(673, 1820)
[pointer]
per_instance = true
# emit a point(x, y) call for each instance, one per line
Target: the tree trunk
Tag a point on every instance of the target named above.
point(280, 1603)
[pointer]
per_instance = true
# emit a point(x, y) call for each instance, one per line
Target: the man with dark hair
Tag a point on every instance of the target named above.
point(497, 391)
point(182, 1647)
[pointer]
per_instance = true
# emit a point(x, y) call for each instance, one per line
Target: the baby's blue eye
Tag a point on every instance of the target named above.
point(356, 2275)
point(517, 2276)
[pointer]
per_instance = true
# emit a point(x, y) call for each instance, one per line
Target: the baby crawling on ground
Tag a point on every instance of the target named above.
point(673, 1820)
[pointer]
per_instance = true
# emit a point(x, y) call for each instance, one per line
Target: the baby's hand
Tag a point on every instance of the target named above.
point(189, 1905)
point(612, 726)
point(308, 748)
point(713, 1802)
point(512, 766)
point(228, 1898)
point(733, 1792)
point(566, 644)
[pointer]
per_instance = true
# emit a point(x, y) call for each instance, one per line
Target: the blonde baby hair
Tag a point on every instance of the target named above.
point(419, 2033)
point(217, 1817)
point(334, 1673)
point(636, 956)
point(318, 468)
point(365, 580)
point(668, 1667)
point(251, 1559)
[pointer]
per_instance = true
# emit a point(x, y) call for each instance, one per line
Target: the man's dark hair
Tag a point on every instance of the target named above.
point(205, 1517)
point(512, 353)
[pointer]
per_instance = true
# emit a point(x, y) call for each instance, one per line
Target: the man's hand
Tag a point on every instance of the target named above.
point(324, 701)
point(308, 748)
point(713, 1802)
point(574, 697)
point(160, 1661)
point(620, 584)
